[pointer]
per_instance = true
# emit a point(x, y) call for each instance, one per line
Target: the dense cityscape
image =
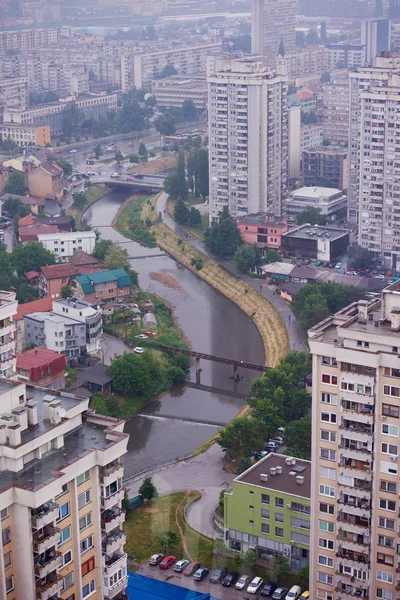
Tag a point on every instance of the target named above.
point(199, 299)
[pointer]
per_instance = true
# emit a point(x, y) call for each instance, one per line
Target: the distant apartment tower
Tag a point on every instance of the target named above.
point(325, 166)
point(248, 138)
point(8, 310)
point(384, 69)
point(334, 111)
point(271, 22)
point(355, 451)
point(375, 36)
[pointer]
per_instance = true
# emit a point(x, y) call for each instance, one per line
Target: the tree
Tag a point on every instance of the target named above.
point(134, 158)
point(80, 200)
point(165, 124)
point(116, 258)
point(201, 177)
point(168, 71)
point(280, 568)
point(125, 503)
point(71, 119)
point(246, 257)
point(13, 207)
point(98, 151)
point(119, 157)
point(176, 376)
point(359, 258)
point(168, 538)
point(219, 548)
point(189, 110)
point(267, 412)
point(65, 166)
point(312, 38)
point(67, 291)
point(300, 39)
point(298, 438)
point(325, 77)
point(101, 248)
point(323, 31)
point(224, 237)
point(249, 560)
point(194, 217)
point(272, 255)
point(5, 269)
point(304, 577)
point(148, 490)
point(310, 215)
point(15, 184)
point(143, 154)
point(30, 257)
point(135, 375)
point(180, 212)
point(241, 436)
point(26, 293)
point(181, 174)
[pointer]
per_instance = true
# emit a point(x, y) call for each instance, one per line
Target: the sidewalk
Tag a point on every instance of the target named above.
point(295, 334)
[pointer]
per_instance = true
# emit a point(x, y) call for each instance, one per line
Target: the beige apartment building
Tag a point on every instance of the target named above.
point(8, 310)
point(60, 498)
point(273, 21)
point(355, 453)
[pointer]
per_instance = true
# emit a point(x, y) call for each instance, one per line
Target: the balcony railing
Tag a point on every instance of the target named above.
point(44, 515)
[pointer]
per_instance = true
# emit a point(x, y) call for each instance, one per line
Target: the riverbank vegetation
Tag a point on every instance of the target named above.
point(259, 310)
point(92, 194)
point(135, 219)
point(277, 399)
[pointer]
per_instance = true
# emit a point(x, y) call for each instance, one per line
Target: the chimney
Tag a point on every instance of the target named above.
point(55, 417)
point(272, 471)
point(278, 470)
point(46, 406)
point(31, 407)
point(300, 479)
point(395, 318)
point(362, 311)
point(263, 477)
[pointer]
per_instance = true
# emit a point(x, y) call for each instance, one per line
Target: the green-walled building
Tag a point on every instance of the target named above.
point(268, 509)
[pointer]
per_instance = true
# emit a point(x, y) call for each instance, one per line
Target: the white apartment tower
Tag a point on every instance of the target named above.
point(355, 486)
point(248, 138)
point(8, 310)
point(271, 22)
point(365, 78)
point(60, 498)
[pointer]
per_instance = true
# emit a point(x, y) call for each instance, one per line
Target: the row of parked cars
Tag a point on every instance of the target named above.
point(220, 575)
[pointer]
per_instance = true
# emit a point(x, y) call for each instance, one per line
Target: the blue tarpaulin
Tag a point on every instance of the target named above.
point(146, 588)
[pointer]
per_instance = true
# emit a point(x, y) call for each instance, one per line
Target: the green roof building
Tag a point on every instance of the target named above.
point(268, 510)
point(102, 285)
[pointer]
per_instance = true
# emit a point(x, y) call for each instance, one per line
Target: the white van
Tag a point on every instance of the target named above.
point(293, 593)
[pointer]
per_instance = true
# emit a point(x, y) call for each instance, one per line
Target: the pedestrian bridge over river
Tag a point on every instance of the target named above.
point(150, 183)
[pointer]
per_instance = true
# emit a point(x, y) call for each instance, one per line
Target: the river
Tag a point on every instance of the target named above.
point(177, 425)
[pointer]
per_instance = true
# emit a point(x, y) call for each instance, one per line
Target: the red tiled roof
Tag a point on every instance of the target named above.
point(41, 357)
point(42, 305)
point(30, 232)
point(57, 271)
point(51, 168)
point(82, 258)
point(303, 95)
point(27, 220)
point(31, 274)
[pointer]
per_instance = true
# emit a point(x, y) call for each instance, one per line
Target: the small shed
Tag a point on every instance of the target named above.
point(96, 378)
point(149, 320)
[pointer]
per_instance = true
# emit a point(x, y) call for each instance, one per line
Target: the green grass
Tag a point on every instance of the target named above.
point(131, 224)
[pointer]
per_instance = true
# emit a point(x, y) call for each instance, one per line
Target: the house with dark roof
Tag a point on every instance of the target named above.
point(32, 201)
point(42, 305)
point(29, 233)
point(54, 277)
point(102, 285)
point(95, 378)
point(42, 367)
point(51, 206)
point(85, 262)
point(32, 278)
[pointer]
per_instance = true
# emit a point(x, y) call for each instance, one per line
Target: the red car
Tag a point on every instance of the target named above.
point(167, 562)
point(191, 568)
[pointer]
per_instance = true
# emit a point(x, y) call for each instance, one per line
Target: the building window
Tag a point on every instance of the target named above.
point(4, 514)
point(327, 490)
point(324, 578)
point(328, 455)
point(279, 532)
point(329, 509)
point(251, 507)
point(390, 411)
point(10, 584)
point(85, 521)
point(84, 499)
point(329, 436)
point(88, 566)
point(389, 449)
point(279, 517)
point(279, 502)
point(251, 493)
point(265, 498)
point(86, 544)
point(390, 430)
point(6, 536)
point(388, 486)
point(67, 558)
point(384, 540)
point(251, 522)
point(385, 594)
point(65, 535)
point(391, 390)
point(264, 527)
point(264, 513)
point(329, 360)
point(387, 504)
point(68, 581)
point(328, 417)
point(384, 576)
point(63, 511)
point(386, 523)
point(88, 589)
point(385, 559)
point(328, 398)
point(82, 478)
point(329, 379)
point(8, 560)
point(327, 544)
point(325, 561)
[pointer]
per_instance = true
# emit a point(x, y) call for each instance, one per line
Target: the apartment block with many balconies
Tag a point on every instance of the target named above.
point(8, 310)
point(60, 498)
point(355, 452)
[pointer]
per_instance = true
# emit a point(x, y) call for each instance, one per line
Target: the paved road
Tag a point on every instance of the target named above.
point(111, 346)
point(295, 334)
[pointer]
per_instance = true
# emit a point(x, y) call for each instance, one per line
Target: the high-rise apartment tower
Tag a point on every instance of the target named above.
point(271, 22)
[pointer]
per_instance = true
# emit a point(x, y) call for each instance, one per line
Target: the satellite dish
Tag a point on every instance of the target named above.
point(62, 412)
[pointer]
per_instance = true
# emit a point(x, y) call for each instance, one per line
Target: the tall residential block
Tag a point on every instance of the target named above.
point(375, 36)
point(271, 22)
point(248, 138)
point(383, 71)
point(8, 310)
point(60, 497)
point(355, 451)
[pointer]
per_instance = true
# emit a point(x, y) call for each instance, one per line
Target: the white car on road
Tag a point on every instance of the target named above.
point(255, 585)
point(138, 350)
point(242, 582)
point(115, 175)
point(73, 151)
point(91, 173)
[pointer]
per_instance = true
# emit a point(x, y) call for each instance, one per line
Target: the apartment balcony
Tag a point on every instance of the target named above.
point(350, 595)
point(50, 589)
point(110, 501)
point(111, 519)
point(354, 509)
point(48, 540)
point(349, 558)
point(114, 562)
point(364, 417)
point(361, 473)
point(355, 546)
point(113, 542)
point(45, 514)
point(113, 591)
point(357, 525)
point(359, 584)
point(42, 569)
point(358, 433)
point(355, 454)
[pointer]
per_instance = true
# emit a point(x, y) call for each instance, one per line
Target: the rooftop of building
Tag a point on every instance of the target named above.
point(316, 192)
point(96, 374)
point(36, 229)
point(82, 258)
point(147, 588)
point(262, 218)
point(308, 231)
point(39, 357)
point(40, 317)
point(88, 281)
point(31, 274)
point(285, 479)
point(51, 168)
point(24, 199)
point(58, 271)
point(42, 305)
point(184, 82)
point(302, 95)
point(327, 150)
point(306, 128)
point(7, 298)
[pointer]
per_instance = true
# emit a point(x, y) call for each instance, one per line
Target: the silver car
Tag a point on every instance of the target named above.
point(180, 565)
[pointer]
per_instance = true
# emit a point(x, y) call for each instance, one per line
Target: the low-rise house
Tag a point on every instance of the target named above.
point(95, 378)
point(62, 223)
point(32, 278)
point(329, 201)
point(72, 327)
point(313, 241)
point(30, 233)
point(85, 262)
point(3, 178)
point(64, 245)
point(268, 510)
point(54, 277)
point(102, 285)
point(46, 179)
point(42, 367)
point(262, 229)
point(33, 202)
point(42, 305)
point(51, 206)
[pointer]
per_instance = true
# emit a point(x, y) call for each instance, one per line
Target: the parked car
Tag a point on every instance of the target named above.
point(325, 263)
point(191, 568)
point(149, 334)
point(331, 265)
point(280, 593)
point(114, 175)
point(156, 559)
point(181, 565)
point(141, 336)
point(260, 455)
point(139, 176)
point(138, 350)
point(318, 263)
point(230, 579)
point(380, 276)
point(306, 261)
point(242, 582)
point(200, 574)
point(217, 574)
point(271, 446)
point(92, 173)
point(293, 593)
point(254, 585)
point(269, 588)
point(338, 266)
point(73, 151)
point(305, 596)
point(167, 562)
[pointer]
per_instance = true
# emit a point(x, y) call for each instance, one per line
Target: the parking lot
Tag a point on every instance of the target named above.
point(215, 589)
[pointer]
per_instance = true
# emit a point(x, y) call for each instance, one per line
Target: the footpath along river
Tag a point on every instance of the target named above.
point(176, 425)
